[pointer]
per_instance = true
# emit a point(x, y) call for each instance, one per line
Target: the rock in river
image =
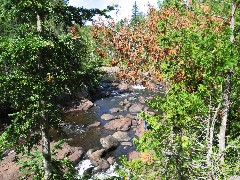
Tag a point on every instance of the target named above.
point(109, 142)
point(107, 117)
point(136, 108)
point(121, 136)
point(122, 124)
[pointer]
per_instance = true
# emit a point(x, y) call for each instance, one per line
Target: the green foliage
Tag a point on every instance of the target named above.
point(32, 165)
point(195, 73)
point(38, 64)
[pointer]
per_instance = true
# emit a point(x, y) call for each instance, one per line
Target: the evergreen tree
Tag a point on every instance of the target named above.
point(136, 15)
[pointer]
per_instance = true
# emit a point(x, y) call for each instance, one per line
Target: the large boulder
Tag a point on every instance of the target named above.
point(97, 160)
point(136, 108)
point(96, 156)
point(122, 124)
point(109, 142)
point(84, 104)
point(82, 92)
point(121, 136)
point(75, 154)
point(103, 165)
point(124, 87)
point(111, 160)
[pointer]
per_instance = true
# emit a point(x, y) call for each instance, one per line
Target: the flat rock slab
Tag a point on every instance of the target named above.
point(93, 125)
point(115, 110)
point(84, 104)
point(122, 124)
point(126, 143)
point(136, 108)
point(107, 117)
point(75, 154)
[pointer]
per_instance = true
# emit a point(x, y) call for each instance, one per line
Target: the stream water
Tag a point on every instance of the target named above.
point(79, 135)
point(76, 125)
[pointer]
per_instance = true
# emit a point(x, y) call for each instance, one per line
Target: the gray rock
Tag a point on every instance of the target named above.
point(89, 152)
point(110, 160)
point(82, 92)
point(96, 156)
point(126, 106)
point(121, 136)
point(151, 113)
point(114, 110)
point(145, 109)
point(107, 117)
point(122, 124)
point(141, 99)
point(75, 154)
point(136, 108)
point(109, 142)
point(124, 102)
point(126, 143)
point(134, 123)
point(96, 124)
point(131, 98)
point(124, 87)
point(103, 165)
point(84, 104)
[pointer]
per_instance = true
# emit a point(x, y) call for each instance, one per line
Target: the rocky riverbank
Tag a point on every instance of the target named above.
point(112, 122)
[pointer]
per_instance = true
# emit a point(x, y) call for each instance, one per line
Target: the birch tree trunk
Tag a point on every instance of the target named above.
point(226, 97)
point(226, 107)
point(210, 136)
point(47, 166)
point(46, 148)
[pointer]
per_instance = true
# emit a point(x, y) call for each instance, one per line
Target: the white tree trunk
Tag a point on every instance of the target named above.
point(234, 6)
point(46, 150)
point(226, 97)
point(210, 135)
point(47, 166)
point(225, 111)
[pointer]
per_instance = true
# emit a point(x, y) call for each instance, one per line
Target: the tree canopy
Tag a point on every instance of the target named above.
point(40, 61)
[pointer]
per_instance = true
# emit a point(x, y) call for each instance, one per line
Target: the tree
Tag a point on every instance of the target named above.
point(38, 65)
point(188, 49)
point(226, 93)
point(136, 15)
point(200, 64)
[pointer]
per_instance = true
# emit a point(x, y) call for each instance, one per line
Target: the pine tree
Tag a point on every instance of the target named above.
point(136, 15)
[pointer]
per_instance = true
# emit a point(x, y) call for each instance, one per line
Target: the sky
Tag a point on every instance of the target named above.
point(125, 6)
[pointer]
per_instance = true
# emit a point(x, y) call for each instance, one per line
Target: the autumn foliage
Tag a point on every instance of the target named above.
point(141, 50)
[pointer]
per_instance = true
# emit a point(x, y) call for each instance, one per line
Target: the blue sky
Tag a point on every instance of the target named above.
point(125, 6)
